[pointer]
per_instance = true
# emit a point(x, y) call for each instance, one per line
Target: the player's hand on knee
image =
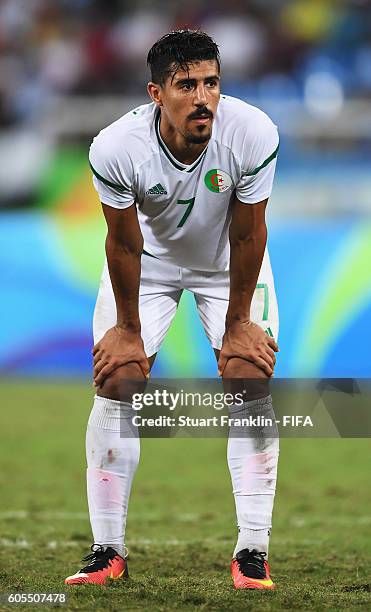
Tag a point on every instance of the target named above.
point(118, 347)
point(248, 341)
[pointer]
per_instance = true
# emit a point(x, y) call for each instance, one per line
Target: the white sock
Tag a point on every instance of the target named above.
point(252, 463)
point(112, 452)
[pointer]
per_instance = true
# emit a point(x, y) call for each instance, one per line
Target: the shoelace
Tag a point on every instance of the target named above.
point(96, 560)
point(251, 563)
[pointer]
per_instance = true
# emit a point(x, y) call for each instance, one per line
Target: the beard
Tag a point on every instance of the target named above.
point(199, 138)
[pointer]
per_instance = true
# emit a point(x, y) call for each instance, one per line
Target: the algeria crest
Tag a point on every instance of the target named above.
point(217, 180)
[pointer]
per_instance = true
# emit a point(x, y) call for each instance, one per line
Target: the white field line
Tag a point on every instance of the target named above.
point(21, 515)
point(55, 544)
point(295, 521)
point(144, 542)
point(345, 519)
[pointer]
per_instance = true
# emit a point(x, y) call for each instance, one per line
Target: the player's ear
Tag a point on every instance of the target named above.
point(154, 92)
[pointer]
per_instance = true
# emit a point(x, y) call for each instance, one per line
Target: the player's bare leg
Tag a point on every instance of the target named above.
point(252, 461)
point(112, 452)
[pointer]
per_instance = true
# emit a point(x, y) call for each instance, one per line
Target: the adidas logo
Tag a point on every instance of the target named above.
point(156, 190)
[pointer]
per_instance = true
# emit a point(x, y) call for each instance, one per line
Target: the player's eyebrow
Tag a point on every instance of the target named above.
point(185, 81)
point(214, 77)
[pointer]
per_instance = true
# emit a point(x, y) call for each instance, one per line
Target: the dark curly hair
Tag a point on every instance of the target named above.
point(176, 50)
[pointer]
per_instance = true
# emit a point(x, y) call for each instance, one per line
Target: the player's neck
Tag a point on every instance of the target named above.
point(185, 152)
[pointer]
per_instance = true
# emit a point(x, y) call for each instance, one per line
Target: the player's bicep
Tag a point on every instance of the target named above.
point(123, 226)
point(246, 220)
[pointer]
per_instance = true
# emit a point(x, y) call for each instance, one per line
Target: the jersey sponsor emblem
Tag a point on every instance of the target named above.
point(156, 190)
point(217, 180)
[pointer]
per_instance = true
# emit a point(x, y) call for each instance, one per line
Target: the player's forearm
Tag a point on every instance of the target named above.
point(246, 256)
point(124, 267)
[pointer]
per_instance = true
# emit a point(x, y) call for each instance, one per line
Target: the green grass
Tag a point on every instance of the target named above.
point(181, 527)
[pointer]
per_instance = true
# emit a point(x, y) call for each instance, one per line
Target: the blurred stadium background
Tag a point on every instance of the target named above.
point(70, 67)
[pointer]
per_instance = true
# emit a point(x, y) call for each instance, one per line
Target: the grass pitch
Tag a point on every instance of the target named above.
point(181, 527)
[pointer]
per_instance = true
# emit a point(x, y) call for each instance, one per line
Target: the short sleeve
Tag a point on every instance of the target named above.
point(113, 175)
point(259, 163)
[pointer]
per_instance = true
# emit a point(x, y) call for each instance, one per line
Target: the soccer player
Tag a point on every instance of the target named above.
point(184, 183)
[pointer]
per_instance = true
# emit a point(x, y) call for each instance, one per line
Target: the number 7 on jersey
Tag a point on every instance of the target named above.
point(188, 211)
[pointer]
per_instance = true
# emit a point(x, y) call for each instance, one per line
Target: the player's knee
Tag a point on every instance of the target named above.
point(241, 376)
point(237, 367)
point(123, 383)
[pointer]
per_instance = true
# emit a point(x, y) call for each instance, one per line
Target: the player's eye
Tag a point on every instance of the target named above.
point(212, 83)
point(186, 86)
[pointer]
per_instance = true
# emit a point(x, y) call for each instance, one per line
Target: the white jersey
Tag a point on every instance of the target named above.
point(184, 211)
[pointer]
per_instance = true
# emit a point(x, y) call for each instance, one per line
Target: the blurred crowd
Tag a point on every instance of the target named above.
point(88, 47)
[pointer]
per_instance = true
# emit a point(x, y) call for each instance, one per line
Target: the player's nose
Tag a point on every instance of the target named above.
point(200, 96)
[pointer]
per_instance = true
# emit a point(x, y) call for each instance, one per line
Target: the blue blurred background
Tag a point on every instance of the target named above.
point(70, 67)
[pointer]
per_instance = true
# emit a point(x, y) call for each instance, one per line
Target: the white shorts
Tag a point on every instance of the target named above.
point(161, 287)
